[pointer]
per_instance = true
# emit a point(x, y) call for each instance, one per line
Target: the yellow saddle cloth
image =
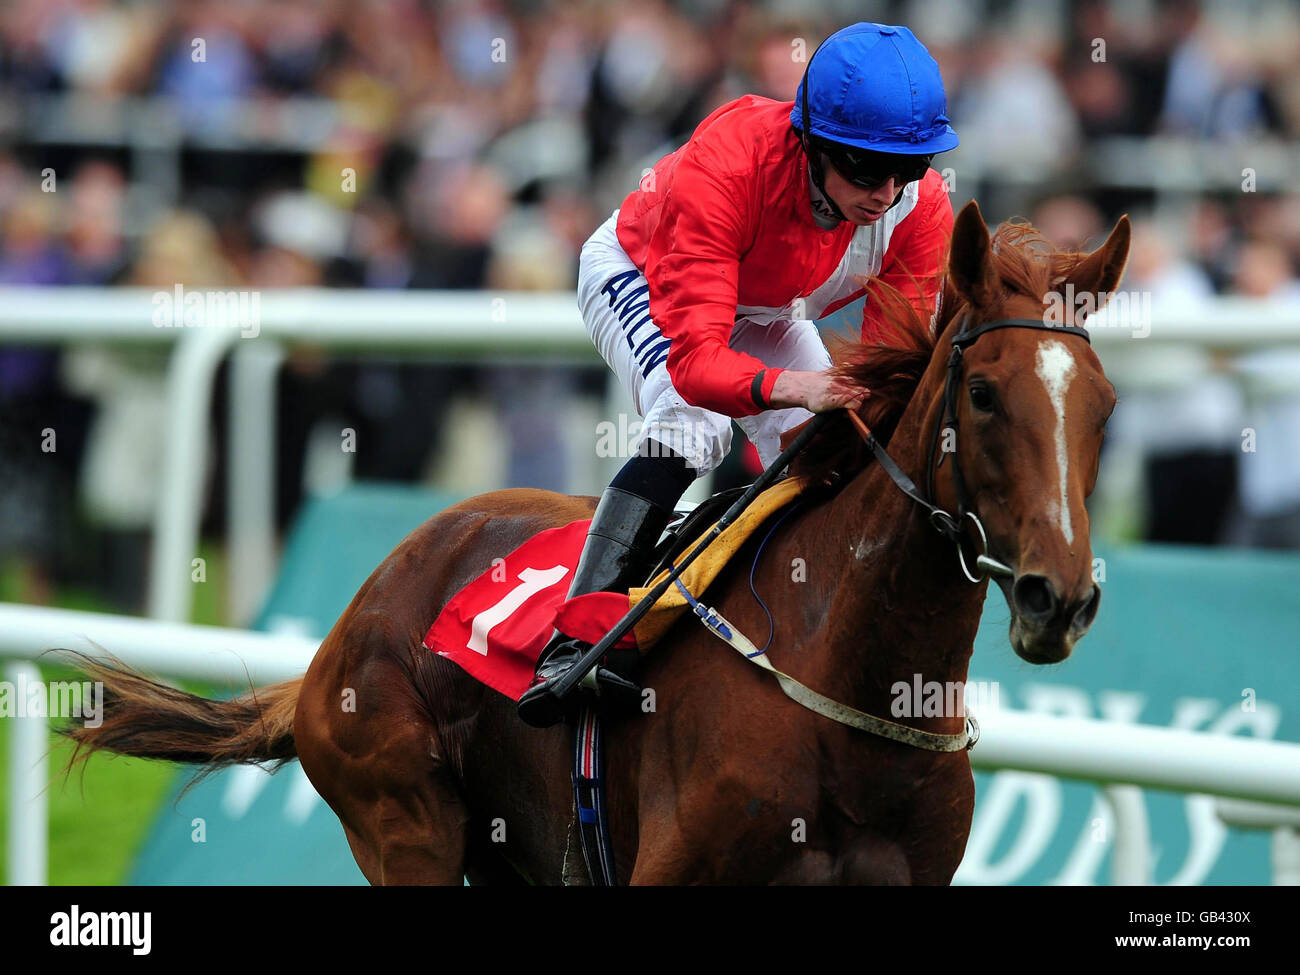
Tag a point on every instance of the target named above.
point(700, 573)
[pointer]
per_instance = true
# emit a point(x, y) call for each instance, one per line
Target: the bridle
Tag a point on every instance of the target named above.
point(947, 524)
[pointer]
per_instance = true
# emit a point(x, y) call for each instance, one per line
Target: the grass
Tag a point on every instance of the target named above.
point(101, 814)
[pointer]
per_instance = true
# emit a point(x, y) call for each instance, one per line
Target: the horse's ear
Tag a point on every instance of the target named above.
point(1101, 271)
point(970, 267)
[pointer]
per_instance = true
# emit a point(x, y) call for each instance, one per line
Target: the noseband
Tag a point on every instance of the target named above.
point(947, 524)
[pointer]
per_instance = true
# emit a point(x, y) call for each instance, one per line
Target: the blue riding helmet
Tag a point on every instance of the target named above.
point(875, 87)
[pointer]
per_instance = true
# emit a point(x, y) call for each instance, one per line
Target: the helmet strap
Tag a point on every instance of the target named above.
point(826, 213)
point(816, 171)
point(820, 201)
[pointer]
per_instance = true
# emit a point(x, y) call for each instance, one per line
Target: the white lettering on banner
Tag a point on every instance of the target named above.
point(1041, 795)
point(1033, 805)
point(1086, 858)
point(533, 581)
point(1206, 832)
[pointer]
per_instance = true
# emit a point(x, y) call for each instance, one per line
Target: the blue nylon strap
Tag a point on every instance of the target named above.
point(707, 616)
point(711, 619)
point(771, 622)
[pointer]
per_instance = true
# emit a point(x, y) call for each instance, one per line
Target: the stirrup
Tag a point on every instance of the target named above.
point(538, 706)
point(602, 688)
point(615, 693)
point(623, 531)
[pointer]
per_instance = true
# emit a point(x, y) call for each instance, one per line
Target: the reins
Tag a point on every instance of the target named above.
point(944, 522)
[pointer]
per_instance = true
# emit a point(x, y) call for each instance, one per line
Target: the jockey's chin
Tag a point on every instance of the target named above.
point(860, 206)
point(863, 216)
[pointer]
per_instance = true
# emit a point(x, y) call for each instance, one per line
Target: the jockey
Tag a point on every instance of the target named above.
point(701, 290)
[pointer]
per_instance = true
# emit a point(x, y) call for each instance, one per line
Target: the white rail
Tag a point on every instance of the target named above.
point(1155, 758)
point(458, 324)
point(178, 651)
point(1114, 755)
point(237, 658)
point(489, 321)
point(1283, 826)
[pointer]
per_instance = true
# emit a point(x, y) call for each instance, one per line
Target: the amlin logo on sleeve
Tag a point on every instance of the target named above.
point(102, 928)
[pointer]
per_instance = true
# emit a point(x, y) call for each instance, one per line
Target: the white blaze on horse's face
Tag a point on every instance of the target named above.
point(1030, 460)
point(1055, 367)
point(1036, 411)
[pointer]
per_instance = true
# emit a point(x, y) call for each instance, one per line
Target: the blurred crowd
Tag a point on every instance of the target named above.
point(476, 144)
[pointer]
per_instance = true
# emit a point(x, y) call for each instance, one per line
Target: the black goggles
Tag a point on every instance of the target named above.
point(868, 169)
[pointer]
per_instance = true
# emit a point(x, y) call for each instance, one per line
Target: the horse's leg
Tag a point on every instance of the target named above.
point(386, 731)
point(370, 749)
point(667, 852)
point(366, 858)
point(660, 862)
point(486, 867)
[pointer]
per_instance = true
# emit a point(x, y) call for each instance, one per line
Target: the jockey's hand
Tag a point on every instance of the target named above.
point(815, 391)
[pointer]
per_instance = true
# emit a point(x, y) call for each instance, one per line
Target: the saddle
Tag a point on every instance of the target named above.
point(687, 525)
point(502, 652)
point(705, 569)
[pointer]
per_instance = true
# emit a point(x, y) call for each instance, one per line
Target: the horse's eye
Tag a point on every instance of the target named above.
point(981, 397)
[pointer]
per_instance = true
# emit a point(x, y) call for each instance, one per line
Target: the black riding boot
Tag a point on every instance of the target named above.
point(615, 557)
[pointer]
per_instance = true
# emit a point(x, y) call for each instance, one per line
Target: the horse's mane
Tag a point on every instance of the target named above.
point(891, 366)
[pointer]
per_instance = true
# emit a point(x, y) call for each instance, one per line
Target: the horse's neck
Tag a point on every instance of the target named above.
point(899, 606)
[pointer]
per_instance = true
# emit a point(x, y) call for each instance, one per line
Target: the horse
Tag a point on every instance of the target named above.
point(727, 780)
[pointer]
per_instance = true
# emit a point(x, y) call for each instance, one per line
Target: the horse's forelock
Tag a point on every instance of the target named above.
point(1027, 263)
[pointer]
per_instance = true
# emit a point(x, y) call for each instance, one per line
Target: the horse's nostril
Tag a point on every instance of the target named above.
point(1088, 611)
point(1034, 597)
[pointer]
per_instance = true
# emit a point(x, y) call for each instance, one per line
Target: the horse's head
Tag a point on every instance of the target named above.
point(1030, 407)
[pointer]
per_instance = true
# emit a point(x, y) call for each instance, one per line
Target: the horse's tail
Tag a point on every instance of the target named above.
point(148, 719)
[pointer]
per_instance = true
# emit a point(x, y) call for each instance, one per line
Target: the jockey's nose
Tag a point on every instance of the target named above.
point(884, 194)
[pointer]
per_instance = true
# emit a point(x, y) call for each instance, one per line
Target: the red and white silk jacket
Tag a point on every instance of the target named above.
point(723, 230)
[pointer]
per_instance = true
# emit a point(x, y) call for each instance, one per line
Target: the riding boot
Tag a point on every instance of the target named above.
point(615, 557)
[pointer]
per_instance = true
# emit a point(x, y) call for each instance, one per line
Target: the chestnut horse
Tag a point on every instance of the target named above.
point(727, 781)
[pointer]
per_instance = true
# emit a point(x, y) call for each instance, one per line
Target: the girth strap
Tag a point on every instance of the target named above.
point(589, 800)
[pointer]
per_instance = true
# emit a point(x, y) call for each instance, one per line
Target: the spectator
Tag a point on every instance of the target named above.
point(1175, 433)
point(1269, 470)
point(476, 143)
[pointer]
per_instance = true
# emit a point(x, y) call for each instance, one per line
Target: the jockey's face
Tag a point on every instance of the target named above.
point(861, 206)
